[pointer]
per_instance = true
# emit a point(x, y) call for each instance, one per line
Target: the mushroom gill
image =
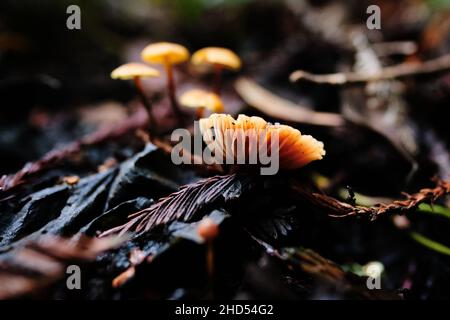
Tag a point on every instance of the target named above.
point(248, 135)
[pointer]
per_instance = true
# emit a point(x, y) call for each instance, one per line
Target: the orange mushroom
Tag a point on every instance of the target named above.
point(208, 230)
point(136, 71)
point(167, 54)
point(220, 131)
point(201, 100)
point(219, 58)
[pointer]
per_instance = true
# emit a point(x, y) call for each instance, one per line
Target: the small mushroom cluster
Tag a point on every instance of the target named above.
point(169, 54)
point(295, 149)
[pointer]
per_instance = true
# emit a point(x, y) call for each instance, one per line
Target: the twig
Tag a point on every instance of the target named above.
point(384, 49)
point(55, 157)
point(339, 209)
point(441, 64)
point(280, 108)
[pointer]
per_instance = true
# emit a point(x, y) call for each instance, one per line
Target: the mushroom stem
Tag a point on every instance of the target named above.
point(200, 112)
point(217, 79)
point(210, 261)
point(146, 102)
point(171, 90)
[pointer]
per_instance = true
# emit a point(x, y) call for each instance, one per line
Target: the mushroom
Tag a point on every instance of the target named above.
point(167, 54)
point(219, 58)
point(200, 100)
point(208, 230)
point(294, 149)
point(135, 71)
point(71, 180)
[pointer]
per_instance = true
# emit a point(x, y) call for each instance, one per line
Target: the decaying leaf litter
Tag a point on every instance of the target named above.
point(379, 194)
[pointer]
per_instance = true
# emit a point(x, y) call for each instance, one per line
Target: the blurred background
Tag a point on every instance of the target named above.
point(55, 88)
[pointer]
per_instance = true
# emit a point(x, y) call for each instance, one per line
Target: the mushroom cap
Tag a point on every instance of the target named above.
point(131, 70)
point(222, 132)
point(162, 52)
point(218, 56)
point(208, 229)
point(197, 98)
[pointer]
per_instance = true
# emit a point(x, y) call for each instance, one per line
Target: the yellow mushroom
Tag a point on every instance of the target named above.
point(219, 58)
point(200, 100)
point(135, 71)
point(132, 70)
point(167, 54)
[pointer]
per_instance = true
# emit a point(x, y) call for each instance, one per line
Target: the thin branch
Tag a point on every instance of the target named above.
point(438, 65)
point(280, 108)
point(55, 157)
point(384, 49)
point(339, 209)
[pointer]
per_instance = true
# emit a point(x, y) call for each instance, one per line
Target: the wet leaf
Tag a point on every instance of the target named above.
point(40, 209)
point(149, 173)
point(37, 264)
